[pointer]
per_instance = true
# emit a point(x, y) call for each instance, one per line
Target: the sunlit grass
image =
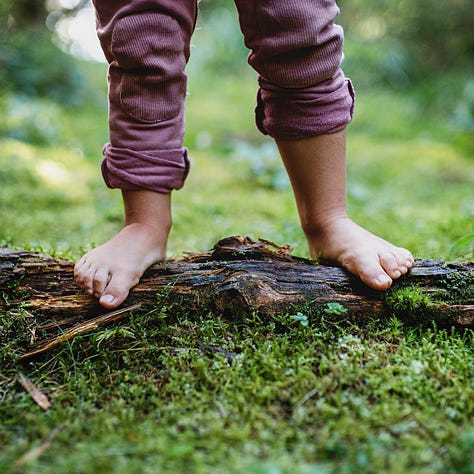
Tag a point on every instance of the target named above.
point(416, 192)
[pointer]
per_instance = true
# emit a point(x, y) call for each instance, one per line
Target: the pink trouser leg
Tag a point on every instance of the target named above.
point(295, 47)
point(297, 51)
point(146, 43)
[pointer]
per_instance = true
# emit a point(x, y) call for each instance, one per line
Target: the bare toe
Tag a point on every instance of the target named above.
point(402, 263)
point(117, 290)
point(390, 264)
point(87, 281)
point(375, 277)
point(369, 270)
point(109, 271)
point(376, 261)
point(83, 276)
point(101, 278)
point(79, 271)
point(407, 258)
point(78, 266)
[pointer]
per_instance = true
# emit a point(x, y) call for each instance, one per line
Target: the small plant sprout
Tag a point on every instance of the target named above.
point(335, 308)
point(302, 318)
point(113, 333)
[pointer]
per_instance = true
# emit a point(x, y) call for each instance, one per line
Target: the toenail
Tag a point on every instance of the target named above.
point(107, 299)
point(384, 279)
point(397, 274)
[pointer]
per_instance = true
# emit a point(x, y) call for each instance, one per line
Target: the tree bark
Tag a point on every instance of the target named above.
point(240, 276)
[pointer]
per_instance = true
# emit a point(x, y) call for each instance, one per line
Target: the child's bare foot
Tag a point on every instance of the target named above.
point(109, 271)
point(376, 261)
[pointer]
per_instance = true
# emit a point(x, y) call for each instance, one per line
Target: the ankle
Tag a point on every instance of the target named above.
point(148, 234)
point(162, 225)
point(148, 210)
point(317, 227)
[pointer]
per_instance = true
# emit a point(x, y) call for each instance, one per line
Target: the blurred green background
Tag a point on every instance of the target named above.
point(410, 145)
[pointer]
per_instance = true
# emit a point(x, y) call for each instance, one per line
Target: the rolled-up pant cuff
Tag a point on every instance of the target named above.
point(296, 114)
point(159, 171)
point(296, 48)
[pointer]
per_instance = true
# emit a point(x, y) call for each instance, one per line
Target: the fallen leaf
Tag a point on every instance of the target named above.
point(38, 396)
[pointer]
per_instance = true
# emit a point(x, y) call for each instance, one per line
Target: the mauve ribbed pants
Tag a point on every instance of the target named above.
point(295, 47)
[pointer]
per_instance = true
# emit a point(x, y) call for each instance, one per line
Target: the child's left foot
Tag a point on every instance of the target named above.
point(376, 261)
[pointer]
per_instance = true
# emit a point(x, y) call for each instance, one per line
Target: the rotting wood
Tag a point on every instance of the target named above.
point(240, 276)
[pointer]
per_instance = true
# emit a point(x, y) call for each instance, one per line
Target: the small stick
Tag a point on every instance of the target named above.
point(37, 451)
point(307, 397)
point(78, 330)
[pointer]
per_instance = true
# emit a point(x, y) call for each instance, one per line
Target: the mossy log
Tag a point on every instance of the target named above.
point(240, 276)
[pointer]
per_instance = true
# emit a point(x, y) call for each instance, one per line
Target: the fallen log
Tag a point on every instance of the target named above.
point(237, 277)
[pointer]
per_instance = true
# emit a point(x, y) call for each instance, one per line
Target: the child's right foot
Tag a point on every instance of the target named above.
point(109, 271)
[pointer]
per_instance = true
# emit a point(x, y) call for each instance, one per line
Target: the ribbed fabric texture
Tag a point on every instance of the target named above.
point(295, 47)
point(293, 43)
point(146, 43)
point(288, 116)
point(297, 50)
point(149, 51)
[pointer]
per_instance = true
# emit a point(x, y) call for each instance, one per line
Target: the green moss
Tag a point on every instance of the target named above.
point(459, 287)
point(413, 304)
point(408, 301)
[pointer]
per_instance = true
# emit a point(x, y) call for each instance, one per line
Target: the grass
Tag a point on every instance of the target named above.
point(167, 391)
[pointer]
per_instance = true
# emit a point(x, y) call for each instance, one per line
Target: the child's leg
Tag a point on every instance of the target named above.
point(305, 102)
point(146, 43)
point(316, 167)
